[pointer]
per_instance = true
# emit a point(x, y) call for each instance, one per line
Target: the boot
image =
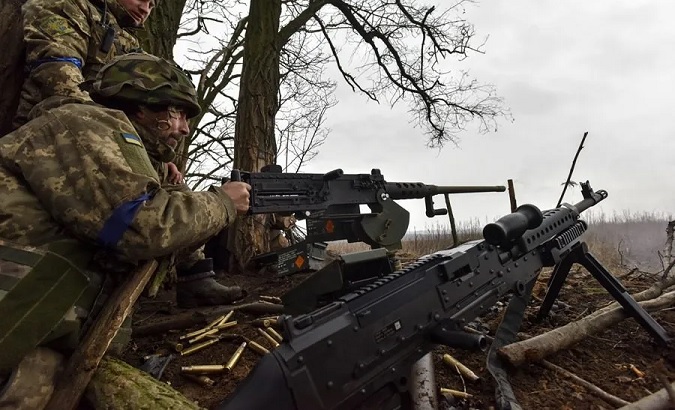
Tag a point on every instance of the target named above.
point(197, 287)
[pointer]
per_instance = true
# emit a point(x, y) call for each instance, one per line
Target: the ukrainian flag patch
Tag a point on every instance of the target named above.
point(132, 139)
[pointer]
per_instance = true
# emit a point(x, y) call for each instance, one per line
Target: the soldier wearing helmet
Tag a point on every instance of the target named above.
point(80, 185)
point(67, 42)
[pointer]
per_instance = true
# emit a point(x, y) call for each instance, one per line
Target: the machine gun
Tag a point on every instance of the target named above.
point(330, 205)
point(357, 351)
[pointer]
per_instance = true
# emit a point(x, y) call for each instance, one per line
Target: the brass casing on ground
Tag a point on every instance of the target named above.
point(235, 357)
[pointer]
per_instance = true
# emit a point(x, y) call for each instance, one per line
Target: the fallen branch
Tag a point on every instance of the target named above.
point(83, 363)
point(541, 346)
point(177, 322)
point(609, 398)
point(657, 401)
point(203, 316)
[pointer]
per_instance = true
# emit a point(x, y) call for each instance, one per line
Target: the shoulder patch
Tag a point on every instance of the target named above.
point(132, 139)
point(55, 26)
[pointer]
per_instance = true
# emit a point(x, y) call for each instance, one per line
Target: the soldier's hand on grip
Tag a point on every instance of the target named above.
point(239, 193)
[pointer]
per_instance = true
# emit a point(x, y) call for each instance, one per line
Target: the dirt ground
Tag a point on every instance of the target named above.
point(604, 359)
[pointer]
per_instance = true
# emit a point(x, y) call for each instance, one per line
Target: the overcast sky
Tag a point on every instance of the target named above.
point(563, 68)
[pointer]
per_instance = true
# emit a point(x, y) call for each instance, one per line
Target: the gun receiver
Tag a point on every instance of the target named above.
point(360, 347)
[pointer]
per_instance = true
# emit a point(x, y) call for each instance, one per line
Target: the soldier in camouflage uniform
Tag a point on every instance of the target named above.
point(67, 42)
point(81, 182)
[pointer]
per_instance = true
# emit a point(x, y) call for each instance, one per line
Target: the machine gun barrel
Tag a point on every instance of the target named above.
point(412, 190)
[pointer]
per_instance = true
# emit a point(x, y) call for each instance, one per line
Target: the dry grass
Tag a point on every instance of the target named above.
point(631, 240)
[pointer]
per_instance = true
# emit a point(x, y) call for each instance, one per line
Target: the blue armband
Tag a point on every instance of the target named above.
point(76, 61)
point(120, 220)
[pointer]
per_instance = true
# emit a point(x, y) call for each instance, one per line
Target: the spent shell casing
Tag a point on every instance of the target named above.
point(177, 346)
point(272, 299)
point(203, 335)
point(463, 370)
point(455, 393)
point(197, 347)
point(150, 356)
point(274, 334)
point(203, 368)
point(266, 321)
point(235, 357)
point(225, 318)
point(226, 325)
point(258, 348)
point(193, 334)
point(215, 322)
point(201, 380)
point(268, 337)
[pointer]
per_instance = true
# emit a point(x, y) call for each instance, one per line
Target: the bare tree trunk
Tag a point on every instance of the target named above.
point(12, 62)
point(161, 29)
point(254, 142)
point(158, 38)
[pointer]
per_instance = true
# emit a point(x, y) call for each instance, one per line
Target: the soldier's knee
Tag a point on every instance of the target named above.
point(31, 383)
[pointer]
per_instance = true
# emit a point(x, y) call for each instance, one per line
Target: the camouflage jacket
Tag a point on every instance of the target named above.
point(67, 42)
point(81, 172)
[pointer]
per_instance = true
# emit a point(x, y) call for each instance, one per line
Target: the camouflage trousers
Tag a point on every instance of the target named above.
point(31, 384)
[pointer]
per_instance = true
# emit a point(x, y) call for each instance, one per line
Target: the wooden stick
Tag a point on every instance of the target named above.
point(609, 398)
point(574, 163)
point(543, 345)
point(83, 363)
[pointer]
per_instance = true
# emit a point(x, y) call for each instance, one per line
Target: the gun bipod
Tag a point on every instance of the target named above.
point(580, 254)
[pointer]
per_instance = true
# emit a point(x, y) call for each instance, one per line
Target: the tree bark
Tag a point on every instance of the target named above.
point(657, 401)
point(12, 62)
point(254, 140)
point(117, 385)
point(541, 346)
point(161, 30)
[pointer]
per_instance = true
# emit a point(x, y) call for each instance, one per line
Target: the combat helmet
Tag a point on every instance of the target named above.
point(142, 78)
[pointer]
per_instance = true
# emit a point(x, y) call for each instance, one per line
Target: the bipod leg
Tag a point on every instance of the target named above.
point(555, 282)
point(619, 293)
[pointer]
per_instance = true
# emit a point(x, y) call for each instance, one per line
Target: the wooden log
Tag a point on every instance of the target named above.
point(541, 346)
point(117, 385)
point(657, 401)
point(83, 363)
point(178, 322)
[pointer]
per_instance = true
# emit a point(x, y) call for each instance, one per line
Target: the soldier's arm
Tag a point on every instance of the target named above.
point(56, 36)
point(88, 168)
